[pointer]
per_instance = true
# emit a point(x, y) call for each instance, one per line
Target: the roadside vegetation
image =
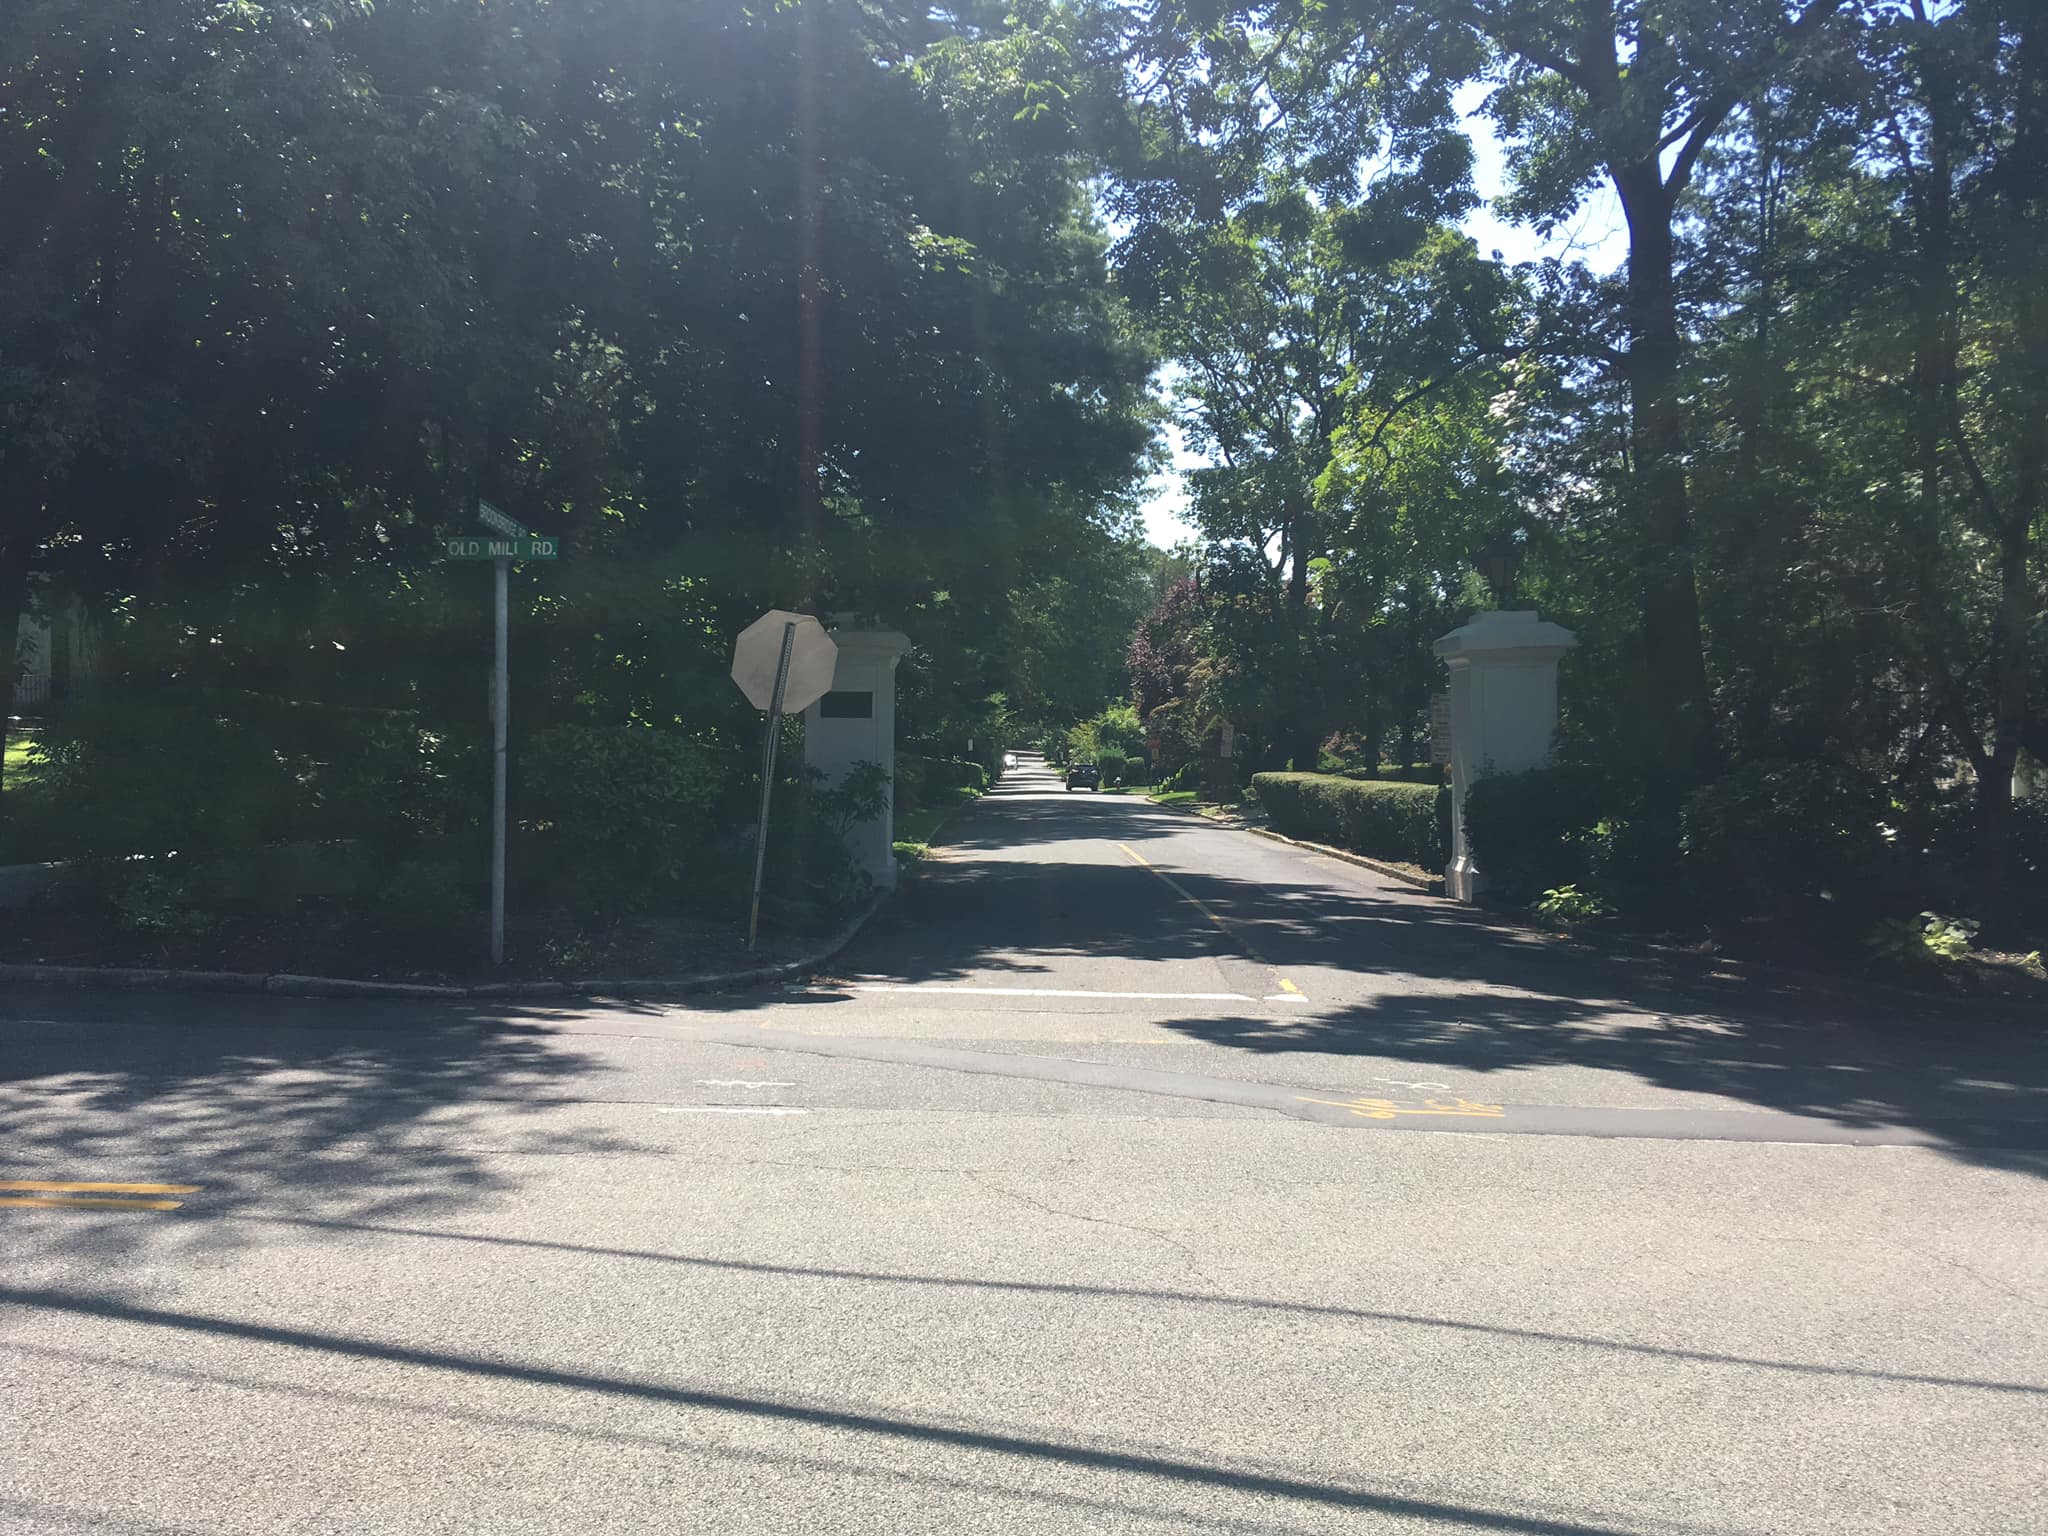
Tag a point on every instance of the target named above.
point(1775, 457)
point(895, 350)
point(375, 263)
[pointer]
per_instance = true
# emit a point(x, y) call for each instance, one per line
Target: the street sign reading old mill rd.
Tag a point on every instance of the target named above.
point(527, 546)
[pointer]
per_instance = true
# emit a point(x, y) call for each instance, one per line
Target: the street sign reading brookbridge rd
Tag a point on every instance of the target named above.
point(528, 546)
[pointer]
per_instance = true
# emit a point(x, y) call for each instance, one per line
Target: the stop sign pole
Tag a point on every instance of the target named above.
point(768, 777)
point(782, 661)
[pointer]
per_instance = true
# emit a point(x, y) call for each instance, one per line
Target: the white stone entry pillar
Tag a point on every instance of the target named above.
point(855, 723)
point(1503, 714)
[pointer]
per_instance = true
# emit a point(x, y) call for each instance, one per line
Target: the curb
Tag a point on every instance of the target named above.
point(1427, 884)
point(1433, 887)
point(289, 984)
point(1196, 808)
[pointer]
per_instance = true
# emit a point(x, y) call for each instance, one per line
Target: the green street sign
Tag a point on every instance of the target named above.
point(530, 546)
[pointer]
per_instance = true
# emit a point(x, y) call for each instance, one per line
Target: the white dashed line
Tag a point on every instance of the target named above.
point(728, 1109)
point(741, 1082)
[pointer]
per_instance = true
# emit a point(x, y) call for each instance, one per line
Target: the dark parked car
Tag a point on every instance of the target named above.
point(1084, 776)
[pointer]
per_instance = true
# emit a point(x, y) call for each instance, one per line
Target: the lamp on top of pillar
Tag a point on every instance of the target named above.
point(1500, 562)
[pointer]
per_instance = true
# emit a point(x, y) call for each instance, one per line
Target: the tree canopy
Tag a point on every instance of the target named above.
point(1781, 469)
point(797, 304)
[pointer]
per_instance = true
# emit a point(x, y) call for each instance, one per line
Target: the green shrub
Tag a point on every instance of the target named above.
point(1173, 736)
point(1928, 939)
point(933, 780)
point(909, 787)
point(622, 811)
point(1566, 905)
point(1119, 727)
point(167, 770)
point(1529, 831)
point(1633, 856)
point(160, 904)
point(1774, 833)
point(1387, 820)
point(392, 784)
point(811, 877)
point(1114, 764)
point(955, 773)
point(424, 897)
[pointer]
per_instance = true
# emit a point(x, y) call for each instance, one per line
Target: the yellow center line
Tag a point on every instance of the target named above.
point(1202, 907)
point(85, 1202)
point(1182, 891)
point(51, 1186)
point(1390, 1109)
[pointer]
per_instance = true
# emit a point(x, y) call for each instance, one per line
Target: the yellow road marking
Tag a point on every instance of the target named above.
point(1202, 907)
point(1389, 1109)
point(1182, 891)
point(56, 1187)
point(85, 1202)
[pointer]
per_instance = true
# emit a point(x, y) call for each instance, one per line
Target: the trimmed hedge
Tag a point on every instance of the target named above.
point(1381, 817)
point(919, 777)
point(1413, 773)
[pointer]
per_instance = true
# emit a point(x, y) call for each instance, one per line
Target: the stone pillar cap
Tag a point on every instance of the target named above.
point(884, 642)
point(1519, 630)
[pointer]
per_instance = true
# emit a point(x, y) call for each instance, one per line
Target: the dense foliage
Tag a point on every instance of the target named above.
point(793, 305)
point(859, 308)
point(1781, 469)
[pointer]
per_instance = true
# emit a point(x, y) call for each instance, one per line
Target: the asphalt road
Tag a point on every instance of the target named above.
point(1132, 1174)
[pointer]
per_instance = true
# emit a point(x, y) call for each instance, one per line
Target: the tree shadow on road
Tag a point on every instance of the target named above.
point(868, 1424)
point(258, 1100)
point(1424, 980)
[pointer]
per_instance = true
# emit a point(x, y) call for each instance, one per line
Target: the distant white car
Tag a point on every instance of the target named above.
point(1009, 759)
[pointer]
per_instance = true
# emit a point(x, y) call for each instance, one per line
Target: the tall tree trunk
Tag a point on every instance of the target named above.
point(1674, 652)
point(2012, 660)
point(1302, 730)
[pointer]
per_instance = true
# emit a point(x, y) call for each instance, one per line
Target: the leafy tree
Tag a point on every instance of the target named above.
point(792, 305)
point(1361, 94)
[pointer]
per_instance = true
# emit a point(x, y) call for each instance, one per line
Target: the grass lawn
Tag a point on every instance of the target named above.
point(1156, 796)
point(18, 738)
point(915, 826)
point(18, 799)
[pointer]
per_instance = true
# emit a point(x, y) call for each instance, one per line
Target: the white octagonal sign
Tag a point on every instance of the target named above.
point(812, 657)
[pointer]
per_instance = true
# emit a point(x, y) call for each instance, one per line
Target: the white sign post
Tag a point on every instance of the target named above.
point(501, 710)
point(782, 662)
point(516, 544)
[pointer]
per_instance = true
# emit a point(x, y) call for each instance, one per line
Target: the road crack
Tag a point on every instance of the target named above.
point(1990, 1282)
point(1187, 1254)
